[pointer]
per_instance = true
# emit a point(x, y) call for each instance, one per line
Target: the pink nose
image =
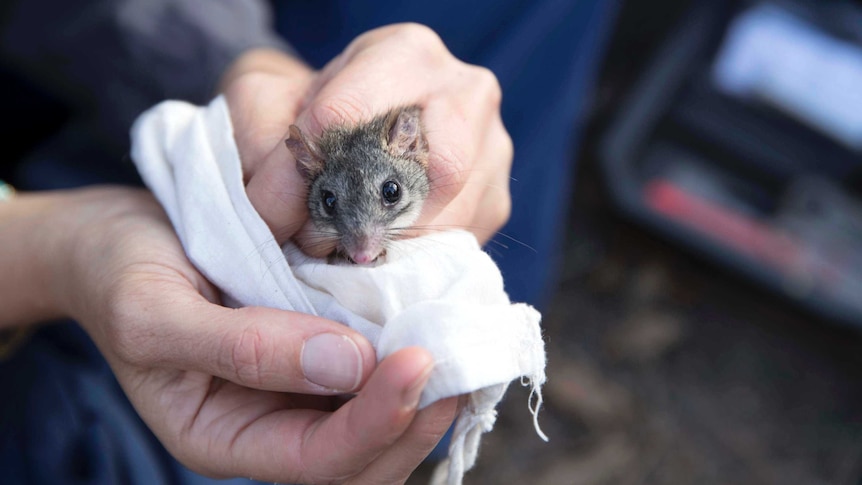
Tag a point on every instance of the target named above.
point(363, 257)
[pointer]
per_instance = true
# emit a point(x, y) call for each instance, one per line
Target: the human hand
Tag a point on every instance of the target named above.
point(248, 392)
point(471, 152)
point(265, 90)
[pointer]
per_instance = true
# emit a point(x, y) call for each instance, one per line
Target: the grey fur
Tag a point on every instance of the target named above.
point(356, 162)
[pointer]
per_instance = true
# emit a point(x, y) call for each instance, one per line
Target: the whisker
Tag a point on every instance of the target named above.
point(498, 243)
point(447, 175)
point(516, 241)
point(470, 182)
point(444, 227)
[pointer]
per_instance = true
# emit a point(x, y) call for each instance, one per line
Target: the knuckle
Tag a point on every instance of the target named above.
point(249, 356)
point(451, 170)
point(393, 32)
point(487, 81)
point(361, 42)
point(419, 36)
point(504, 203)
point(421, 44)
point(245, 84)
point(420, 40)
point(507, 149)
point(503, 210)
point(343, 108)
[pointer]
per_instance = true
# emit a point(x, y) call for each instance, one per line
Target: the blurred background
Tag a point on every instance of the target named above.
point(706, 325)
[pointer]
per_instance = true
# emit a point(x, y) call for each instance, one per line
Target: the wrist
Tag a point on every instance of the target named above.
point(26, 290)
point(53, 245)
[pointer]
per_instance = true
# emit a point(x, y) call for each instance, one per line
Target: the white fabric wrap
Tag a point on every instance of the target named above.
point(440, 292)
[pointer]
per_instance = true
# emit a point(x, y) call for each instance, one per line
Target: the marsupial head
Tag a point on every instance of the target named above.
point(366, 184)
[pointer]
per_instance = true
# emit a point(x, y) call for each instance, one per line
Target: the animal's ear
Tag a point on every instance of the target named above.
point(309, 163)
point(405, 138)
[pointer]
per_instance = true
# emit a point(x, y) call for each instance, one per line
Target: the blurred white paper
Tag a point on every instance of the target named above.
point(771, 55)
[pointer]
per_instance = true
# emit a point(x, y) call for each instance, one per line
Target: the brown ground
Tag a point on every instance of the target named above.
point(664, 369)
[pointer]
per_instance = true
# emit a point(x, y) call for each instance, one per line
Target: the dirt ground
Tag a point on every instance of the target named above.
point(665, 369)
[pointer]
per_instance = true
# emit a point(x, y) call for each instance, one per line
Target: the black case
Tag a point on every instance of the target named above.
point(738, 181)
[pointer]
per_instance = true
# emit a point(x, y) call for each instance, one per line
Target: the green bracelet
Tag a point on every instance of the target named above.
point(10, 339)
point(6, 191)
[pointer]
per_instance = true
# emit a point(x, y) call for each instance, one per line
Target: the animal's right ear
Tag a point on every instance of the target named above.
point(309, 163)
point(404, 134)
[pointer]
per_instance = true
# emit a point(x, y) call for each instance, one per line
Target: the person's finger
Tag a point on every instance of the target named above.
point(218, 428)
point(405, 69)
point(473, 161)
point(310, 446)
point(262, 105)
point(411, 449)
point(372, 422)
point(399, 63)
point(256, 347)
point(279, 194)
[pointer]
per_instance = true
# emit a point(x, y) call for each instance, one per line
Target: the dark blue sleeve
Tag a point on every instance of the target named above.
point(114, 58)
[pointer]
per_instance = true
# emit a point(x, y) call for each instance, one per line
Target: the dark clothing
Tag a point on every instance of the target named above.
point(112, 59)
point(109, 60)
point(63, 419)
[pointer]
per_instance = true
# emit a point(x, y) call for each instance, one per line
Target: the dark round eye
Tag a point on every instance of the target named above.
point(328, 201)
point(391, 192)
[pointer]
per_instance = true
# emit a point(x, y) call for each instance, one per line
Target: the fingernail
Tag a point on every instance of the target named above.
point(410, 398)
point(332, 361)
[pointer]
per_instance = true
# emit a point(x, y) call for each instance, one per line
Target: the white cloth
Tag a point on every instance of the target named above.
point(441, 292)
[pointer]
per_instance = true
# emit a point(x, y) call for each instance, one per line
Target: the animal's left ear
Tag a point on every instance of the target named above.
point(405, 137)
point(309, 162)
